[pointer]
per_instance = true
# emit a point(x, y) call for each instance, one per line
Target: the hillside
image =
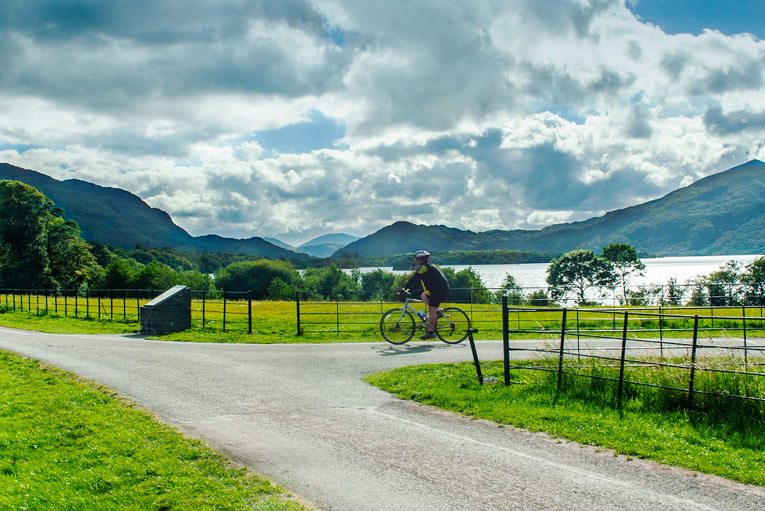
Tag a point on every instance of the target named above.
point(720, 214)
point(325, 246)
point(119, 218)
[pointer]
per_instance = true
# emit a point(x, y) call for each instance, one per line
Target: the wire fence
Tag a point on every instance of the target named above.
point(225, 311)
point(716, 356)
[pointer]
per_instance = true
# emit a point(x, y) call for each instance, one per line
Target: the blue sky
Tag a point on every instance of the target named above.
point(693, 16)
point(297, 118)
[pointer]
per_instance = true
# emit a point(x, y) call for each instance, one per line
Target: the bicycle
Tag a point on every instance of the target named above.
point(398, 325)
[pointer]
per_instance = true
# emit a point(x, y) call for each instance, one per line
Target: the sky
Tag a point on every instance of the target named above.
point(297, 118)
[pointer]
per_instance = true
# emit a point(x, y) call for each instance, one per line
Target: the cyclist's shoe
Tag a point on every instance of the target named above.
point(428, 335)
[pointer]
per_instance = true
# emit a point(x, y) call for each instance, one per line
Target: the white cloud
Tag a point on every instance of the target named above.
point(475, 115)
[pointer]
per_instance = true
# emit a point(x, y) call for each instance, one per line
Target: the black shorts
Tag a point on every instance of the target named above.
point(436, 299)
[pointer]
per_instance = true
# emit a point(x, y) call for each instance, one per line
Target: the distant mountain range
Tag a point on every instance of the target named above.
point(720, 214)
point(115, 217)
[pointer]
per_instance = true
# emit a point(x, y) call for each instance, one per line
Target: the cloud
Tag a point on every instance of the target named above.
point(259, 118)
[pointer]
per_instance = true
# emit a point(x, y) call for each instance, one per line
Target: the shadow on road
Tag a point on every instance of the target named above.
point(393, 350)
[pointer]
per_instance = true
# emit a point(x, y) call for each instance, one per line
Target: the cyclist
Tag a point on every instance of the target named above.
point(434, 285)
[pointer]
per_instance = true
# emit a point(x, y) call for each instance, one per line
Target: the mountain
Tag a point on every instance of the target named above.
point(720, 214)
point(280, 243)
point(116, 217)
point(325, 246)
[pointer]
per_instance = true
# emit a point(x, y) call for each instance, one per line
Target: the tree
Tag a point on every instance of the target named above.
point(754, 282)
point(674, 293)
point(255, 276)
point(120, 274)
point(724, 285)
point(511, 289)
point(466, 286)
point(25, 214)
point(71, 263)
point(626, 263)
point(330, 282)
point(377, 285)
point(576, 272)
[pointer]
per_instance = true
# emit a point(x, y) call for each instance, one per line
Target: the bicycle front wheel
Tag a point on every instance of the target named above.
point(453, 326)
point(397, 326)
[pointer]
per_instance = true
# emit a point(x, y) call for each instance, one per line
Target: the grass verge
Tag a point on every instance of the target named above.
point(66, 443)
point(696, 441)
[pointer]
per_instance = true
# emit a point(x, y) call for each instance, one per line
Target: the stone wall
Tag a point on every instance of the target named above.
point(168, 312)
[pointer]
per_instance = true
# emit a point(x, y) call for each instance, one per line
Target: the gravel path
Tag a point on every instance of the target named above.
point(301, 415)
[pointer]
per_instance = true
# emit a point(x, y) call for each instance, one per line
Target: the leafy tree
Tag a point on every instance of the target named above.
point(255, 276)
point(280, 290)
point(754, 282)
point(155, 276)
point(625, 260)
point(330, 282)
point(466, 286)
point(576, 272)
point(120, 274)
point(511, 289)
point(539, 298)
point(724, 285)
point(377, 285)
point(25, 214)
point(195, 280)
point(71, 262)
point(673, 294)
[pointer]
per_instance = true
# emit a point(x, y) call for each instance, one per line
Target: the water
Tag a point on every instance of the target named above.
point(658, 271)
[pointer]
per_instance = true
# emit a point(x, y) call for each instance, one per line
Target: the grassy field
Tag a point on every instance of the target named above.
point(723, 442)
point(66, 443)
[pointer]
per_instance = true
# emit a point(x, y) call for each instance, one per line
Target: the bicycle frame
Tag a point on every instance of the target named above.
point(407, 307)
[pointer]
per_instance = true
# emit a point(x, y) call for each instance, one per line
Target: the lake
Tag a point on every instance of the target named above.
point(658, 270)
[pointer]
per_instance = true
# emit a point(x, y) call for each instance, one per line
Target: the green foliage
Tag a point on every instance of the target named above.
point(466, 286)
point(256, 276)
point(330, 282)
point(577, 271)
point(25, 214)
point(754, 282)
point(511, 289)
point(539, 298)
point(377, 285)
point(626, 263)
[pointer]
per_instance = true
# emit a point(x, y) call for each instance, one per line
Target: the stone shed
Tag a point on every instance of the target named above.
point(168, 312)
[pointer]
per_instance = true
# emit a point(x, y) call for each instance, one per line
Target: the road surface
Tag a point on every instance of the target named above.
point(301, 415)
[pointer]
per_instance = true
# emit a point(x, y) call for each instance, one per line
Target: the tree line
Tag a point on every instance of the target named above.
point(40, 249)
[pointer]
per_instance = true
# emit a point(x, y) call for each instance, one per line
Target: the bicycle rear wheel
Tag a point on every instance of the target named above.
point(453, 326)
point(395, 327)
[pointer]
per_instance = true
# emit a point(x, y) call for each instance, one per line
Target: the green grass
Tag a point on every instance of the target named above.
point(66, 443)
point(731, 447)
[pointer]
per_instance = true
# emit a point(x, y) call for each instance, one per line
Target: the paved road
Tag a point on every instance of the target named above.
point(300, 415)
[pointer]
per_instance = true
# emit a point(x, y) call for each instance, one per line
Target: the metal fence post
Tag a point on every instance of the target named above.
point(249, 311)
point(506, 339)
point(297, 303)
point(224, 311)
point(562, 343)
point(621, 363)
point(204, 299)
point(743, 320)
point(87, 304)
point(693, 360)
